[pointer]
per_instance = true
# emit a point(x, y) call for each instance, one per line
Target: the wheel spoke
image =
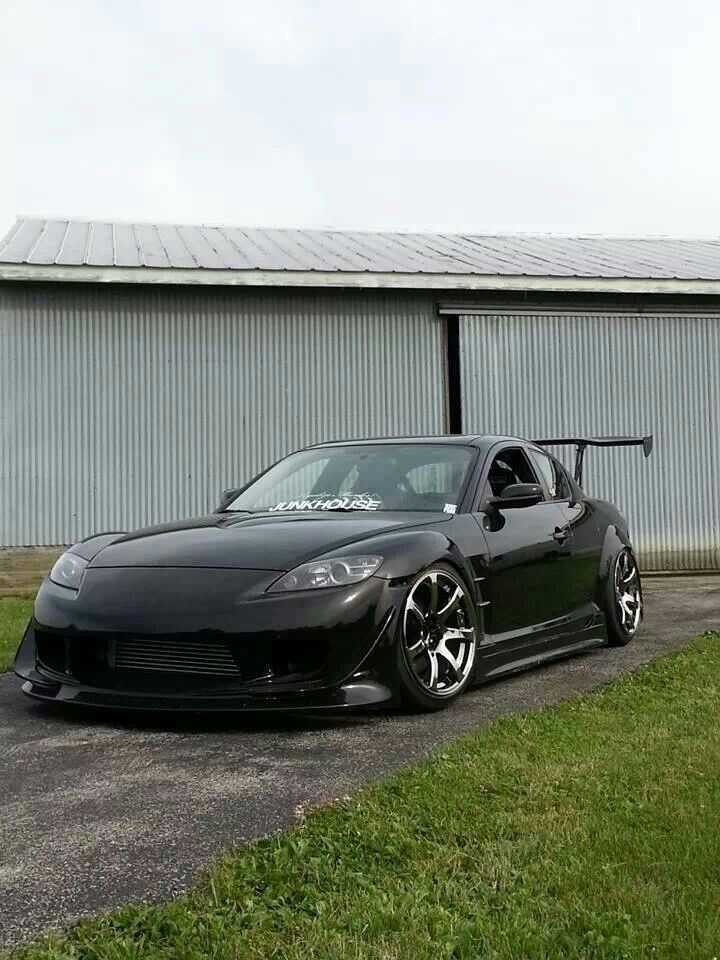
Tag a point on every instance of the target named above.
point(412, 607)
point(433, 592)
point(451, 606)
point(459, 633)
point(449, 657)
point(433, 678)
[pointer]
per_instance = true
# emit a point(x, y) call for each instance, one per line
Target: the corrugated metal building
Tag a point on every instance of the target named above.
point(144, 367)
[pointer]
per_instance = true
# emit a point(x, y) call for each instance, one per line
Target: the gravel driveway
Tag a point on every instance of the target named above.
point(99, 811)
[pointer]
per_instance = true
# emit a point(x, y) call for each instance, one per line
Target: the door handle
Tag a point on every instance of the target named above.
point(561, 534)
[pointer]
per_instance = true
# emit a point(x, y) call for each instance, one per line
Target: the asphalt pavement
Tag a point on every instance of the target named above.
point(99, 810)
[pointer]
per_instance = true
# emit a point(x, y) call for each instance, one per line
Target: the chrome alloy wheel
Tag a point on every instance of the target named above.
point(628, 596)
point(438, 633)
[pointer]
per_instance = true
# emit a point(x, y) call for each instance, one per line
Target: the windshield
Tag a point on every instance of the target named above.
point(418, 476)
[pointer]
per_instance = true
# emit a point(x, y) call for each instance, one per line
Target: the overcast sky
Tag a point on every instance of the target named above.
point(466, 115)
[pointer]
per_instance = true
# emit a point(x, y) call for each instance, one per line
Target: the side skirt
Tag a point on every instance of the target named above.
point(496, 663)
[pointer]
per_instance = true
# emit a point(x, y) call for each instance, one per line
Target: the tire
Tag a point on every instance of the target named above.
point(436, 639)
point(623, 599)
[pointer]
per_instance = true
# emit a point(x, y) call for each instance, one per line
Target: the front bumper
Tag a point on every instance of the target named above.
point(197, 641)
point(354, 694)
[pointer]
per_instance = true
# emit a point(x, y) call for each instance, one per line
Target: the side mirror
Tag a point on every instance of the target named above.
point(226, 498)
point(517, 495)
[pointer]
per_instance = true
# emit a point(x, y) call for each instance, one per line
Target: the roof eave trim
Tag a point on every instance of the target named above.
point(360, 280)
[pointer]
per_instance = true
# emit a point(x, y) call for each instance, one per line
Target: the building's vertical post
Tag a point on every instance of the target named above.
point(453, 390)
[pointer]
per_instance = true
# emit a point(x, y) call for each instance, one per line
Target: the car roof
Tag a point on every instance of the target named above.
point(484, 440)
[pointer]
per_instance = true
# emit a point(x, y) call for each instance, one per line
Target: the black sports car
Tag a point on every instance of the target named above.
point(351, 573)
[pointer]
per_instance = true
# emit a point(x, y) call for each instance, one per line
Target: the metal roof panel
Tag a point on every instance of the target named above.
point(176, 250)
point(102, 245)
point(20, 242)
point(200, 248)
point(150, 246)
point(152, 250)
point(49, 242)
point(127, 249)
point(73, 248)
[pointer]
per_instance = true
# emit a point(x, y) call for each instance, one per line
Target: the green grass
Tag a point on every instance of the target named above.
point(584, 830)
point(14, 615)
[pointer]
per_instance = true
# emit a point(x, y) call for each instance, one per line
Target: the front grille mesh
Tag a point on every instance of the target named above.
point(207, 657)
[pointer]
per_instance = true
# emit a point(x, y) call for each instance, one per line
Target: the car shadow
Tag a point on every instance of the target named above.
point(214, 722)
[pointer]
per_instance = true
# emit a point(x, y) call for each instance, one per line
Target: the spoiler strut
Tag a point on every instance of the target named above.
point(582, 443)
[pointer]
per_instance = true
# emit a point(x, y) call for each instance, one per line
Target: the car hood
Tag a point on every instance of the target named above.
point(252, 541)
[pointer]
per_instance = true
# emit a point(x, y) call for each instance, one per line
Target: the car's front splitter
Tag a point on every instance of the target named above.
point(354, 694)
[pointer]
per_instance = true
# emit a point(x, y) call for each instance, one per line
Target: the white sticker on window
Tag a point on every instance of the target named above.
point(325, 501)
point(450, 508)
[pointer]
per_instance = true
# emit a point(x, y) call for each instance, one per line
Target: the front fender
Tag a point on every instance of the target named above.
point(410, 551)
point(91, 546)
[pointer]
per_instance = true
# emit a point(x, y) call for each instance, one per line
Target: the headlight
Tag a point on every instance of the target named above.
point(68, 571)
point(327, 573)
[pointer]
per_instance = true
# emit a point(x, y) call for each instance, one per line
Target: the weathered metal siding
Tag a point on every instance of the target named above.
point(606, 374)
point(122, 407)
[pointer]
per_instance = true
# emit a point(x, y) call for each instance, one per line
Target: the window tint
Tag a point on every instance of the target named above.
point(296, 484)
point(553, 474)
point(436, 477)
point(428, 477)
point(564, 488)
point(508, 467)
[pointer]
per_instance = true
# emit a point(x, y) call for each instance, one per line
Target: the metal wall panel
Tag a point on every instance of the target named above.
point(123, 407)
point(604, 374)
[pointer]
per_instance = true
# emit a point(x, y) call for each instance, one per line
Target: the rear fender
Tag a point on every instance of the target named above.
point(616, 539)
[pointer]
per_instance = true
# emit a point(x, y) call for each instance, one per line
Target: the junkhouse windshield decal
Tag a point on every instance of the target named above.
point(326, 501)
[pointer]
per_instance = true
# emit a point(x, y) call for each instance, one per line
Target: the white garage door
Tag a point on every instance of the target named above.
point(539, 375)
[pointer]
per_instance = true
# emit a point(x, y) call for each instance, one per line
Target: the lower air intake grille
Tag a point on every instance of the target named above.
point(209, 657)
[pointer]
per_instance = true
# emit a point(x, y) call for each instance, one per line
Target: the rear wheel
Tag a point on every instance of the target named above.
point(437, 636)
point(624, 603)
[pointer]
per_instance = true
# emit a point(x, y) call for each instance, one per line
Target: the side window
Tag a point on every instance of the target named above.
point(554, 475)
point(564, 488)
point(508, 467)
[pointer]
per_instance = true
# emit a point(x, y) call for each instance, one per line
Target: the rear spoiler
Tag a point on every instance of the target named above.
point(582, 443)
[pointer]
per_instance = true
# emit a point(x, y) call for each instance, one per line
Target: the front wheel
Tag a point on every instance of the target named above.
point(437, 635)
point(624, 602)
